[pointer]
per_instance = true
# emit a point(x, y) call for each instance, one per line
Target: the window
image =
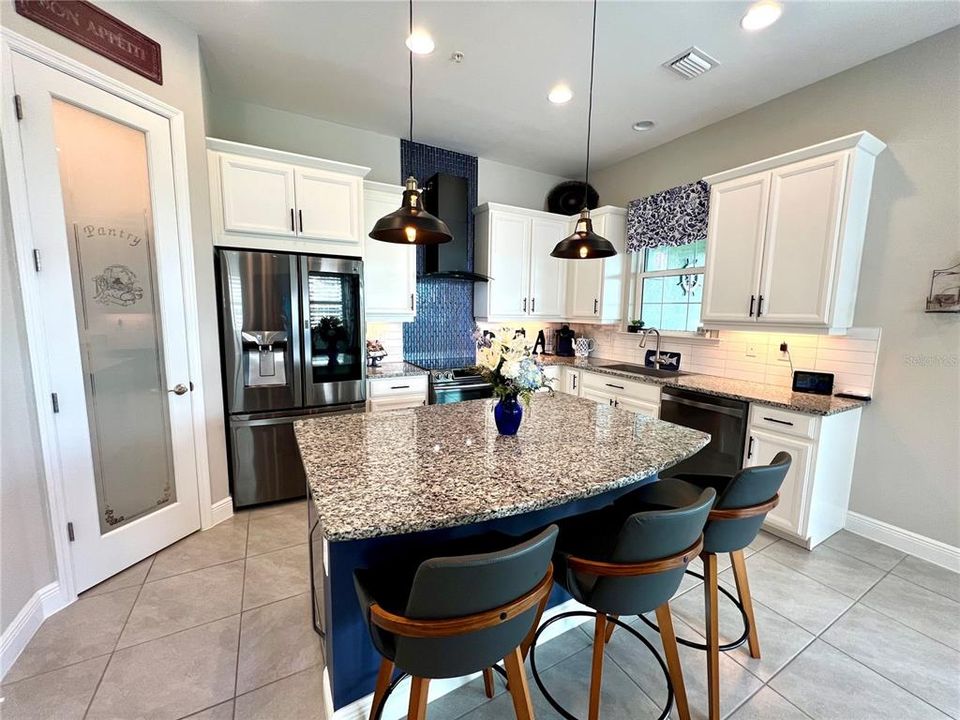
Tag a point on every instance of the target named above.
point(669, 287)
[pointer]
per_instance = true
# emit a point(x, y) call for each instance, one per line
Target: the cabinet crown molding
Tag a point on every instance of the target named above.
point(862, 140)
point(282, 156)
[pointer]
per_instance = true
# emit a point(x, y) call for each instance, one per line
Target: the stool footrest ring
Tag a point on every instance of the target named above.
point(727, 647)
point(616, 621)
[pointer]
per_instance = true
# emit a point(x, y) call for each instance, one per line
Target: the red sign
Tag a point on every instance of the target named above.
point(90, 26)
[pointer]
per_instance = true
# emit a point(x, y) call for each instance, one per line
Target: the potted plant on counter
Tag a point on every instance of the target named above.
point(634, 326)
point(515, 375)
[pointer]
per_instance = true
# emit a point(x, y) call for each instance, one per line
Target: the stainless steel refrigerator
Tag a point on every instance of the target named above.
point(293, 344)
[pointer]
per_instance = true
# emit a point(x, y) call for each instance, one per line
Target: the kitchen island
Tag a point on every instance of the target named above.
point(388, 487)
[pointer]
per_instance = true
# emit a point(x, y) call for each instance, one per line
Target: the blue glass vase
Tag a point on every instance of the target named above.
point(508, 413)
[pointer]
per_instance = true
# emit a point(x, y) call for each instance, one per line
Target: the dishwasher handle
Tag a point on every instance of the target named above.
point(734, 412)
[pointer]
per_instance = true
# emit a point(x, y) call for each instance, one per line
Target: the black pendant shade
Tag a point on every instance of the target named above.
point(584, 243)
point(411, 224)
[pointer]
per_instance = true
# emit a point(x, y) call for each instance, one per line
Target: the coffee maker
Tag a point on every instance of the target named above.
point(564, 344)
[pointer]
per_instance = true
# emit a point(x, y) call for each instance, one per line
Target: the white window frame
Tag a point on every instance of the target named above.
point(635, 307)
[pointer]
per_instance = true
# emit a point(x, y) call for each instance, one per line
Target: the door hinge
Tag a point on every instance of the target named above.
point(36, 259)
point(18, 106)
point(70, 534)
point(56, 402)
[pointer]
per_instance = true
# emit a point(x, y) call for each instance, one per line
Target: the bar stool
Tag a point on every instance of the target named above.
point(743, 502)
point(456, 616)
point(627, 564)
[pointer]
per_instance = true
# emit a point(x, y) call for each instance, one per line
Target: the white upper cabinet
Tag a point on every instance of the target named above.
point(803, 233)
point(389, 269)
point(328, 205)
point(596, 286)
point(510, 249)
point(785, 238)
point(547, 274)
point(258, 196)
point(269, 199)
point(738, 213)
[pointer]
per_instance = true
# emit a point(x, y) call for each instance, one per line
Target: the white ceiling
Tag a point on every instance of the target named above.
point(346, 62)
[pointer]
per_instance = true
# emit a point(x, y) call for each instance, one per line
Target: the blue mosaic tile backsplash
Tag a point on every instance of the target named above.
point(444, 307)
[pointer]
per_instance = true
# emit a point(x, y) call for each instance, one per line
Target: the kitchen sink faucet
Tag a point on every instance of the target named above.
point(657, 361)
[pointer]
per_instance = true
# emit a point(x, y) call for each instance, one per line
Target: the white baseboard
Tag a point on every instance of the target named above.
point(934, 551)
point(221, 510)
point(42, 604)
point(396, 706)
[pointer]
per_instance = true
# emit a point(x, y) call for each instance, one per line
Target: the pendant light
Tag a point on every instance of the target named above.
point(411, 224)
point(584, 243)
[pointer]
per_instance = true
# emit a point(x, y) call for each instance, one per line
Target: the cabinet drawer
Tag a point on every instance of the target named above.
point(399, 402)
point(621, 386)
point(392, 387)
point(783, 421)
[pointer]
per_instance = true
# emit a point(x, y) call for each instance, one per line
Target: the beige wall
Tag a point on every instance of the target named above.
point(908, 460)
point(27, 561)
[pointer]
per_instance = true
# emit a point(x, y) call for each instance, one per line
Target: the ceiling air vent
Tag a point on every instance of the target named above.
point(691, 63)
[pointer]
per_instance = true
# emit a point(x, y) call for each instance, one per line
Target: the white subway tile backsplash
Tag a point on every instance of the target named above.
point(851, 358)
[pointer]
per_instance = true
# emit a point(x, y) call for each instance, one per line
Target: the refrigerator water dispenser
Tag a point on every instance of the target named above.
point(263, 357)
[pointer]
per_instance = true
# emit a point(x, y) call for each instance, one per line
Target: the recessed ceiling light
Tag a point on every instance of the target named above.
point(420, 42)
point(560, 94)
point(762, 14)
point(642, 125)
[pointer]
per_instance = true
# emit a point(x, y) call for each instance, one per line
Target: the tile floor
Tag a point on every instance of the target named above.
point(217, 627)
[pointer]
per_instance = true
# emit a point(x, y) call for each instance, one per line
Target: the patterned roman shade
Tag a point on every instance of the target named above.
point(677, 216)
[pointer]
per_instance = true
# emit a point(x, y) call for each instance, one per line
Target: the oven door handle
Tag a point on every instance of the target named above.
point(703, 406)
point(456, 388)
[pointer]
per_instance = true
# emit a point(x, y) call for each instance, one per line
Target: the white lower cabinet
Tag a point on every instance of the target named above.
point(396, 393)
point(569, 381)
point(638, 397)
point(554, 374)
point(816, 491)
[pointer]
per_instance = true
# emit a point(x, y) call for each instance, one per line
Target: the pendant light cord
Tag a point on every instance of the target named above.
point(411, 74)
point(593, 53)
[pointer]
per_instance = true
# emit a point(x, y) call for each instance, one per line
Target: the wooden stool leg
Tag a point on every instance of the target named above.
point(417, 709)
point(743, 590)
point(711, 606)
point(669, 640)
point(610, 628)
point(517, 684)
point(528, 640)
point(596, 674)
point(488, 682)
point(384, 675)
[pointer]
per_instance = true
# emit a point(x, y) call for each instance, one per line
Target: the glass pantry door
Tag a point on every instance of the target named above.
point(100, 184)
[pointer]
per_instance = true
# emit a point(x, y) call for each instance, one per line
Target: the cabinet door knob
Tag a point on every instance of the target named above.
point(753, 299)
point(293, 222)
point(595, 304)
point(300, 215)
point(179, 389)
point(533, 304)
point(411, 301)
point(759, 305)
point(750, 448)
point(524, 304)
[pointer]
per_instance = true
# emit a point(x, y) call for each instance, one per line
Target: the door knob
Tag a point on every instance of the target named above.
point(179, 389)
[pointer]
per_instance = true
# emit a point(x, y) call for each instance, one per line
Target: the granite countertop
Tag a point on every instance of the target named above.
point(773, 395)
point(438, 466)
point(394, 369)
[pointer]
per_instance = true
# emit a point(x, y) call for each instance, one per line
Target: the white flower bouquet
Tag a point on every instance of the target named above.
point(509, 365)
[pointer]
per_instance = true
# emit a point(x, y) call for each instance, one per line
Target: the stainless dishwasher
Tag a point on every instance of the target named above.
point(726, 421)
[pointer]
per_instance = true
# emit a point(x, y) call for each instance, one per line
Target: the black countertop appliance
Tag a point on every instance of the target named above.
point(565, 338)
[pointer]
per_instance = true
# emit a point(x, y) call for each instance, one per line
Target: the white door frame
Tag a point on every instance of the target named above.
point(11, 42)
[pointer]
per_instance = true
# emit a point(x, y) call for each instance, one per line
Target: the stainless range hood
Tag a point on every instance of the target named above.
point(445, 196)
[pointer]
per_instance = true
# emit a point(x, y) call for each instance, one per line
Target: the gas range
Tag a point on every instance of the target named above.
point(453, 379)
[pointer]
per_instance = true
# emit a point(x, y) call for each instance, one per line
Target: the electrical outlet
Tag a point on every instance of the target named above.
point(752, 350)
